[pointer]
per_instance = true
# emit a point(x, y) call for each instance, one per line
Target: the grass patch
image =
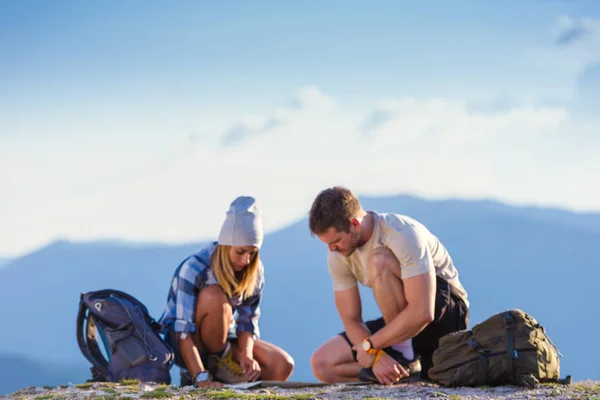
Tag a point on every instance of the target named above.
point(48, 387)
point(45, 397)
point(86, 385)
point(377, 398)
point(109, 390)
point(454, 397)
point(159, 393)
point(129, 382)
point(230, 394)
point(588, 388)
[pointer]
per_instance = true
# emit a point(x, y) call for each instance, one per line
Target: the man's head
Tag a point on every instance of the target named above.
point(335, 219)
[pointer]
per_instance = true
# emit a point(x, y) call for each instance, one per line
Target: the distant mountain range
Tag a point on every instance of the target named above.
point(537, 259)
point(18, 371)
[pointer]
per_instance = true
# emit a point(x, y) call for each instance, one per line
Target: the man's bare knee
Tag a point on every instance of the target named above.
point(381, 264)
point(320, 366)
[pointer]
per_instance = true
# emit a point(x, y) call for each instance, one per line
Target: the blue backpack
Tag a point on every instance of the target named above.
point(132, 343)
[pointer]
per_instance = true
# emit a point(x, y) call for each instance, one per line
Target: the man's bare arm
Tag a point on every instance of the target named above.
point(420, 311)
point(350, 309)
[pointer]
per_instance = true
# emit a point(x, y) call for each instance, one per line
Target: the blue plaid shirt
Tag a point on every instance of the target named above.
point(193, 274)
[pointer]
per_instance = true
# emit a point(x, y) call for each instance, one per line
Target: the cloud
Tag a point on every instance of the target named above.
point(379, 117)
point(548, 72)
point(308, 98)
point(433, 147)
point(571, 30)
point(454, 122)
point(311, 97)
point(254, 125)
point(577, 44)
point(572, 35)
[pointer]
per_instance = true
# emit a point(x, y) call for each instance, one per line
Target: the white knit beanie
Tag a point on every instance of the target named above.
point(242, 226)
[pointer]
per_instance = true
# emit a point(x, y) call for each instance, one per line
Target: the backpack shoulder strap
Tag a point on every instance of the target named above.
point(86, 337)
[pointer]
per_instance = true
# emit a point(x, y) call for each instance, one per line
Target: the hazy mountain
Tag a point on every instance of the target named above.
point(508, 257)
point(4, 261)
point(19, 371)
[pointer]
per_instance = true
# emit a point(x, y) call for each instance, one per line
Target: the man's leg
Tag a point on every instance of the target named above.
point(384, 275)
point(335, 361)
point(451, 315)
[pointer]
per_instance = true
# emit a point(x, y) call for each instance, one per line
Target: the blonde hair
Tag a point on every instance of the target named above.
point(232, 285)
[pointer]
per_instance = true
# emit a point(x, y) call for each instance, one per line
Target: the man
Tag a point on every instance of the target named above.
point(414, 282)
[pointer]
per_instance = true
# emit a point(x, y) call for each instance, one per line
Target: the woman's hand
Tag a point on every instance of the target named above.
point(250, 367)
point(208, 384)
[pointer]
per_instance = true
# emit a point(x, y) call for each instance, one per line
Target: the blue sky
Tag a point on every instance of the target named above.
point(143, 120)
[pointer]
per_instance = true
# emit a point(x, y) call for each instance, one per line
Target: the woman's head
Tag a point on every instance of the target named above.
point(242, 225)
point(235, 260)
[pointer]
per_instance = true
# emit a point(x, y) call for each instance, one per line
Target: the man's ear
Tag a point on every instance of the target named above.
point(355, 222)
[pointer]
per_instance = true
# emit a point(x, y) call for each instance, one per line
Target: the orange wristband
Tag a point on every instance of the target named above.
point(379, 354)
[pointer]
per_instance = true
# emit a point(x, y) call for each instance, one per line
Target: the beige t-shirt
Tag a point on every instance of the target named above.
point(415, 247)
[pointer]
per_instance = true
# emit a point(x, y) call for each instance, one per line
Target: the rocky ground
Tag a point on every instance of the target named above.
point(135, 390)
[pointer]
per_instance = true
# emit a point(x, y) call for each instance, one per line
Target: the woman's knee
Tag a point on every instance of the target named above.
point(284, 366)
point(276, 363)
point(213, 299)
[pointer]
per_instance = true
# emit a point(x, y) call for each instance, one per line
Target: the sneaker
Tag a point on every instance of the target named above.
point(225, 369)
point(413, 367)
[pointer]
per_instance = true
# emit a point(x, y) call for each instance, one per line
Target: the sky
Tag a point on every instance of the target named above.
point(143, 120)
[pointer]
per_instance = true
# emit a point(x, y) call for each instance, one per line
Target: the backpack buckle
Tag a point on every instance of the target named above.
point(508, 320)
point(474, 344)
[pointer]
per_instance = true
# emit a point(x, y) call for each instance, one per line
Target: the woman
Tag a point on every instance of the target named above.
point(207, 288)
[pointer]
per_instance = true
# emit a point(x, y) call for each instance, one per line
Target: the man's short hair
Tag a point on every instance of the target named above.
point(334, 207)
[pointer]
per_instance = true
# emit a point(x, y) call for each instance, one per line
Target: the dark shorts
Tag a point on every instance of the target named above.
point(451, 315)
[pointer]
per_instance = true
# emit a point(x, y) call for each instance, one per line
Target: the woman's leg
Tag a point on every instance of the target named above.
point(275, 363)
point(213, 315)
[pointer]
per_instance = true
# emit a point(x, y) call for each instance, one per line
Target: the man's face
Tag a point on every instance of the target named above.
point(343, 242)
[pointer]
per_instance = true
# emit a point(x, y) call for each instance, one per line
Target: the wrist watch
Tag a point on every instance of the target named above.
point(368, 346)
point(202, 376)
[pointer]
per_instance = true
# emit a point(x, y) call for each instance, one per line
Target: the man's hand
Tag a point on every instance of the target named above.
point(387, 370)
point(364, 359)
point(250, 367)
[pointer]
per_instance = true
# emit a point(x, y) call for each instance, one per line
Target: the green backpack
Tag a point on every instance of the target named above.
point(508, 348)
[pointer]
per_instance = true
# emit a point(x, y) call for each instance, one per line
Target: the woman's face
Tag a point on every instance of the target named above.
point(240, 256)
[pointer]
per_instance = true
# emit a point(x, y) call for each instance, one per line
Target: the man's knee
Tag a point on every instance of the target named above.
point(381, 263)
point(212, 298)
point(320, 366)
